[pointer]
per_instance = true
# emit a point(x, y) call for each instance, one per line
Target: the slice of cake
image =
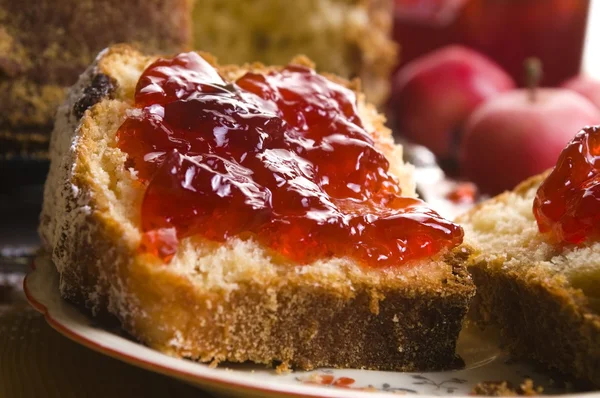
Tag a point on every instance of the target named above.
point(249, 213)
point(351, 38)
point(538, 269)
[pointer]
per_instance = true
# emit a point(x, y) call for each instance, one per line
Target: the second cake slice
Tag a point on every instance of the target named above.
point(538, 278)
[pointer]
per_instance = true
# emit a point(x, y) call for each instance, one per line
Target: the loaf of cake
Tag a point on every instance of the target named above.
point(351, 38)
point(45, 45)
point(248, 213)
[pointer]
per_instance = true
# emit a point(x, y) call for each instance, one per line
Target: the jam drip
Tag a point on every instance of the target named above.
point(281, 157)
point(567, 204)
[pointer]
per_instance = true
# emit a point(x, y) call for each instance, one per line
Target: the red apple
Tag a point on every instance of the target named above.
point(433, 96)
point(586, 86)
point(513, 136)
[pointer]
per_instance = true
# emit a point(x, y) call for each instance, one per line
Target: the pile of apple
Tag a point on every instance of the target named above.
point(467, 110)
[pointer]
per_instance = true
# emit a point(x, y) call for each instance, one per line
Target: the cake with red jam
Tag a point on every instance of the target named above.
point(248, 213)
point(538, 267)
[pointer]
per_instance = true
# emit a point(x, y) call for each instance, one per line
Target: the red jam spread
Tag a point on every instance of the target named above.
point(567, 204)
point(463, 192)
point(281, 157)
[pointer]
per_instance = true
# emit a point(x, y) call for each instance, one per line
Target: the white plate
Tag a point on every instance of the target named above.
point(484, 360)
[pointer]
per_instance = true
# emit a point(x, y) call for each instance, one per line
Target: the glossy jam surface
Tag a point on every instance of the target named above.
point(567, 204)
point(283, 158)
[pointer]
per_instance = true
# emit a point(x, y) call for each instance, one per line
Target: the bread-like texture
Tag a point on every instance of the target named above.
point(545, 298)
point(233, 301)
point(46, 44)
point(351, 38)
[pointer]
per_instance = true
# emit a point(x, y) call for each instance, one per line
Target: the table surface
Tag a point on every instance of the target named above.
point(35, 360)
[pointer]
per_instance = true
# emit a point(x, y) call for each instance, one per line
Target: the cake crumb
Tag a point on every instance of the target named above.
point(504, 388)
point(283, 368)
point(214, 363)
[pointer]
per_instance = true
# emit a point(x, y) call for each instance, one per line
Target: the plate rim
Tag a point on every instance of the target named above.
point(205, 380)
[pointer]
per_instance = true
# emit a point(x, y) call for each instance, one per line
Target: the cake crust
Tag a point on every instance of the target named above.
point(234, 301)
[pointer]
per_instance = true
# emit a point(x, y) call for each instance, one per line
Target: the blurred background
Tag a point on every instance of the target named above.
point(483, 93)
point(506, 31)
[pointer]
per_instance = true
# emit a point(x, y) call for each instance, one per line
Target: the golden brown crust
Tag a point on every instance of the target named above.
point(333, 314)
point(294, 321)
point(539, 313)
point(540, 318)
point(45, 45)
